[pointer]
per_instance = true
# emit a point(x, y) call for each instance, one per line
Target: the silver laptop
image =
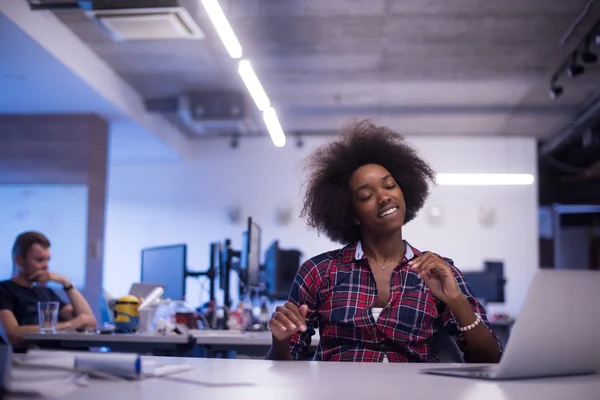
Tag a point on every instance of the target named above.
point(143, 289)
point(557, 332)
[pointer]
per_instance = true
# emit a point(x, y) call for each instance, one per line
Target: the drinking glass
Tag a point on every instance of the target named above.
point(47, 316)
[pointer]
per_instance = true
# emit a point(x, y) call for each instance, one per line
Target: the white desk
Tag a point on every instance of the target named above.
point(145, 343)
point(316, 380)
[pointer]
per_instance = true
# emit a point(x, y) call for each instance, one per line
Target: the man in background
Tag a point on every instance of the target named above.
point(19, 296)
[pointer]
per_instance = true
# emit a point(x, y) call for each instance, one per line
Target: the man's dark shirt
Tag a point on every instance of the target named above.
point(22, 301)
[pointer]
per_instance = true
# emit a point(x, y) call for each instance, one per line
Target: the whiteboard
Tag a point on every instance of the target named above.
point(57, 211)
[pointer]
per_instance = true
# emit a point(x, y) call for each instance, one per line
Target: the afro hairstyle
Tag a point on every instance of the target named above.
point(328, 203)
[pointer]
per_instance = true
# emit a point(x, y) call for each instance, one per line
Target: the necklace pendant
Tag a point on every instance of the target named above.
point(382, 267)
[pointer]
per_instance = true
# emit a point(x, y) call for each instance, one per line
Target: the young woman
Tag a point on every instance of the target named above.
point(377, 299)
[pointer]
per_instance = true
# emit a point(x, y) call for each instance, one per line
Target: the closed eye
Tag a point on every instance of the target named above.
point(389, 187)
point(365, 198)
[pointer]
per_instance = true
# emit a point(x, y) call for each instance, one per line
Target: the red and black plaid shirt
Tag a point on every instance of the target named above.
point(339, 289)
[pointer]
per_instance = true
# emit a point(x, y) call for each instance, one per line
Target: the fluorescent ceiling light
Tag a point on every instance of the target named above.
point(253, 84)
point(219, 20)
point(484, 179)
point(216, 15)
point(274, 127)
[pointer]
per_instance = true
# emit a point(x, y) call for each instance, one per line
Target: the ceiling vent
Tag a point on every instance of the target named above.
point(208, 114)
point(151, 23)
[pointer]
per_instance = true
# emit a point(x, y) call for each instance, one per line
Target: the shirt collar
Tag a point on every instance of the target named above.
point(359, 254)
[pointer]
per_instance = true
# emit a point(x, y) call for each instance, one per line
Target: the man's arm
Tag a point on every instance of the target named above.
point(13, 333)
point(79, 307)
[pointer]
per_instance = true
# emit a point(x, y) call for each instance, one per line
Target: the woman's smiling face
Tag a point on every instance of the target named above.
point(377, 199)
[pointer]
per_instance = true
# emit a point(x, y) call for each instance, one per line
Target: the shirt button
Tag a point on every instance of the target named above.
point(394, 287)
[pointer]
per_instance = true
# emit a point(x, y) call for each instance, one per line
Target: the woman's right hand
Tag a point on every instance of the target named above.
point(287, 320)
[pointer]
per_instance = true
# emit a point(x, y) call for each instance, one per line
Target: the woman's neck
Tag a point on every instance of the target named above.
point(384, 248)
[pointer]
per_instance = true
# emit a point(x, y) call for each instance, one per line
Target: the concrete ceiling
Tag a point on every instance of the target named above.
point(459, 67)
point(26, 88)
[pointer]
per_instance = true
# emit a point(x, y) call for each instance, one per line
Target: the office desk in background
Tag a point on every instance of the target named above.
point(141, 343)
point(502, 330)
point(256, 344)
point(266, 380)
point(244, 344)
point(199, 343)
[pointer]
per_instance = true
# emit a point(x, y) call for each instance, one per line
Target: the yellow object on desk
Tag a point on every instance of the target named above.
point(127, 316)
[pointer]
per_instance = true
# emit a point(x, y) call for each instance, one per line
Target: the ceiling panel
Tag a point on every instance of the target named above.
point(506, 8)
point(253, 9)
point(309, 35)
point(459, 66)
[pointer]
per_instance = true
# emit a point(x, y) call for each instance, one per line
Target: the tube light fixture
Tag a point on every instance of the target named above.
point(253, 84)
point(224, 30)
point(484, 179)
point(274, 127)
point(219, 20)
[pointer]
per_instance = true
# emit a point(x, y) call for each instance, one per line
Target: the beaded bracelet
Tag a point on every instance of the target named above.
point(471, 326)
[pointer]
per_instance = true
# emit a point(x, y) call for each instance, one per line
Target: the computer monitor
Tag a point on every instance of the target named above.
point(281, 267)
point(251, 254)
point(486, 286)
point(215, 256)
point(496, 268)
point(166, 265)
point(223, 255)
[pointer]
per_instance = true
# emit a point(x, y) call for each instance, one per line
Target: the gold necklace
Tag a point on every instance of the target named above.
point(384, 266)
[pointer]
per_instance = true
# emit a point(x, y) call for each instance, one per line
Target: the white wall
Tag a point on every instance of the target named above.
point(170, 203)
point(57, 211)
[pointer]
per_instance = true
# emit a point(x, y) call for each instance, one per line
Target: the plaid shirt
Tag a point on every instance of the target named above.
point(339, 289)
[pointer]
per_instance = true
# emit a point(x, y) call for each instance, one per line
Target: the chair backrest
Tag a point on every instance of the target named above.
point(5, 363)
point(106, 311)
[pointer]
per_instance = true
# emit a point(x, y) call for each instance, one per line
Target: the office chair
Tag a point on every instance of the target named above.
point(5, 363)
point(445, 348)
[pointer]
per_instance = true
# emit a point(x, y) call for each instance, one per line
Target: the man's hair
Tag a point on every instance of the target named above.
point(328, 202)
point(26, 240)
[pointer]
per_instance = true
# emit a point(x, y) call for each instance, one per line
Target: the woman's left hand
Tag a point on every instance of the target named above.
point(438, 276)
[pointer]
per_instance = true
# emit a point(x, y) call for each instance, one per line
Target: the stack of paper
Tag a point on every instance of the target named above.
point(39, 380)
point(57, 373)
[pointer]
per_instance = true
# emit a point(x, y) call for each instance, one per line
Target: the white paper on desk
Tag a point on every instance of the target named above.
point(124, 365)
point(120, 364)
point(38, 353)
point(58, 360)
point(29, 373)
point(54, 388)
point(43, 382)
point(151, 368)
